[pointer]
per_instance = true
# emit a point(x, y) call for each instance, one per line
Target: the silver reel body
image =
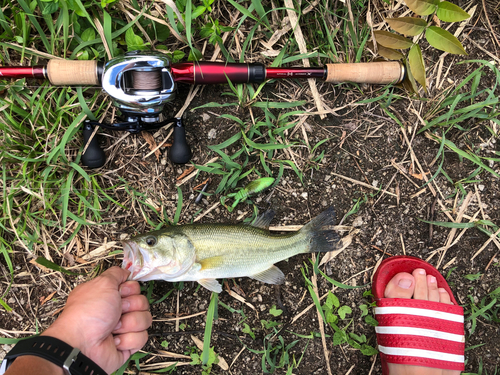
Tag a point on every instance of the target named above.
point(140, 84)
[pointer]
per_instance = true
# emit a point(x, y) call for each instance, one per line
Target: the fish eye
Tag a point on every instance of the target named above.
point(151, 240)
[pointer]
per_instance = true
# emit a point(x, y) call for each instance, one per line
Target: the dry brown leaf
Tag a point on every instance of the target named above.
point(43, 300)
point(148, 137)
point(101, 250)
point(185, 173)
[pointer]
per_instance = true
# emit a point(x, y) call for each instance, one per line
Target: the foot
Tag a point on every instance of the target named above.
point(417, 285)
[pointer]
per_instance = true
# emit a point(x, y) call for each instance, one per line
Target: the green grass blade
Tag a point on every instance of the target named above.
point(65, 25)
point(35, 23)
point(107, 22)
point(212, 308)
point(257, 4)
point(54, 267)
point(179, 206)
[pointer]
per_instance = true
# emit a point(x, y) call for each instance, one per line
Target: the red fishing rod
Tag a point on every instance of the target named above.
point(141, 83)
point(77, 72)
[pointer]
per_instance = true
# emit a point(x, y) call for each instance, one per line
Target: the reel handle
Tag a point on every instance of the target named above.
point(180, 152)
point(94, 156)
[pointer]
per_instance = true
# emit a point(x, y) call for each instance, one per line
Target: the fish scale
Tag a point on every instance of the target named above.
point(243, 248)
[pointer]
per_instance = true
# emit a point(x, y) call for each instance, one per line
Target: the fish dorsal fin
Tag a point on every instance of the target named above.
point(272, 275)
point(211, 284)
point(264, 220)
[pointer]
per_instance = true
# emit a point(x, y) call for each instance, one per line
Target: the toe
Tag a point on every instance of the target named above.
point(444, 297)
point(400, 286)
point(432, 289)
point(420, 284)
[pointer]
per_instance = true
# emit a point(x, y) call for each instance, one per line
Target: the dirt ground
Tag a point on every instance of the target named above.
point(365, 146)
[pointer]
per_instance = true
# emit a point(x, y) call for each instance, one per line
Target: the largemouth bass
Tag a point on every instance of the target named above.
point(206, 252)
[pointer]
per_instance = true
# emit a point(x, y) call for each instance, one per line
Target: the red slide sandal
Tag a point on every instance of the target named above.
point(417, 332)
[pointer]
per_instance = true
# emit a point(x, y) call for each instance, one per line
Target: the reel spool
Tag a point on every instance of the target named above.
point(140, 85)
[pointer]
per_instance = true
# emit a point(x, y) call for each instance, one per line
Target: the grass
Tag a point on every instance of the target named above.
point(54, 210)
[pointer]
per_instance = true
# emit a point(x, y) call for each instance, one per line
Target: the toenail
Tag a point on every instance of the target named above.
point(442, 290)
point(405, 283)
point(421, 271)
point(432, 279)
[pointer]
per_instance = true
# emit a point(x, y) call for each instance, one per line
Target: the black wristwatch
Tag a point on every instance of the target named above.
point(70, 359)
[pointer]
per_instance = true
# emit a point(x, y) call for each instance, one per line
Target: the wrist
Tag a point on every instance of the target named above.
point(48, 352)
point(30, 364)
point(62, 333)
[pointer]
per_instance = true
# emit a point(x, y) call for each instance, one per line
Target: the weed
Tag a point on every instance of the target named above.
point(487, 309)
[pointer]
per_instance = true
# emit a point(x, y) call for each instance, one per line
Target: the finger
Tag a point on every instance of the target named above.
point(432, 289)
point(134, 322)
point(129, 288)
point(420, 284)
point(131, 341)
point(116, 275)
point(137, 302)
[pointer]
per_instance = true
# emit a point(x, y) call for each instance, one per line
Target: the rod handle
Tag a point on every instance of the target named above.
point(73, 72)
point(381, 72)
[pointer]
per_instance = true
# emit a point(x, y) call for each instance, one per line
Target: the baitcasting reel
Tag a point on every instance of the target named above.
point(140, 85)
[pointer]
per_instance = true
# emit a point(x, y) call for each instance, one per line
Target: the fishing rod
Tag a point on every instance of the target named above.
point(142, 82)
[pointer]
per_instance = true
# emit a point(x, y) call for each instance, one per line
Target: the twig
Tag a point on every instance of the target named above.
point(206, 212)
point(292, 16)
point(314, 280)
point(492, 238)
point(489, 23)
point(363, 184)
point(296, 317)
point(179, 317)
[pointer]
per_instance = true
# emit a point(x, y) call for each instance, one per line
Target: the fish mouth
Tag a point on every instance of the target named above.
point(132, 259)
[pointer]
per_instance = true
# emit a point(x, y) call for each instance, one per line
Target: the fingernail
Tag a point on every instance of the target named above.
point(125, 306)
point(405, 283)
point(117, 341)
point(124, 291)
point(432, 279)
point(118, 326)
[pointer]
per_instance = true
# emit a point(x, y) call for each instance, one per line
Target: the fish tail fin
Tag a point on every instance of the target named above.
point(322, 236)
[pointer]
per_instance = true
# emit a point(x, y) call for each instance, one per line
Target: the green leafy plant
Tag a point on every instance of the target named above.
point(487, 308)
point(333, 310)
point(389, 43)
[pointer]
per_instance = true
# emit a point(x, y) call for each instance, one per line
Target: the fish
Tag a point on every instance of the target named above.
point(207, 252)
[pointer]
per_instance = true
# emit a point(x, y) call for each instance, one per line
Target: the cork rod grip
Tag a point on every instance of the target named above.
point(72, 72)
point(383, 72)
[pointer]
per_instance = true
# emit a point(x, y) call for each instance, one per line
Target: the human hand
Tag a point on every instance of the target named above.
point(106, 318)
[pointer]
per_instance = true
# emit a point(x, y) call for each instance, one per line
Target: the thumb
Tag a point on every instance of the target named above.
point(116, 275)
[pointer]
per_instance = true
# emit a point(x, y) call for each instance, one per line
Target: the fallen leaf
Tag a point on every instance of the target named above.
point(148, 137)
point(43, 301)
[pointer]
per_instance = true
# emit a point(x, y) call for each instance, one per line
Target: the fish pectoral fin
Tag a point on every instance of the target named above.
point(272, 275)
point(211, 284)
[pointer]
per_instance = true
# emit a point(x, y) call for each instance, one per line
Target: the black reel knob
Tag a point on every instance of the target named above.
point(180, 152)
point(94, 156)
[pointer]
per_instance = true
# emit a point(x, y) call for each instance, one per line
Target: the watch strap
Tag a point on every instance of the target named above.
point(56, 351)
